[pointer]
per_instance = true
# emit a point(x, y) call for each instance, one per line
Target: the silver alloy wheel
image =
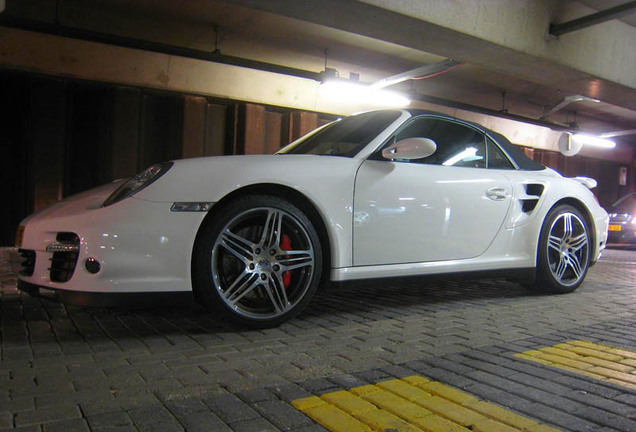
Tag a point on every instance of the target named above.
point(568, 249)
point(263, 262)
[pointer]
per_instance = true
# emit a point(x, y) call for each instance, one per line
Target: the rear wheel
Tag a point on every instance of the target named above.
point(258, 262)
point(563, 257)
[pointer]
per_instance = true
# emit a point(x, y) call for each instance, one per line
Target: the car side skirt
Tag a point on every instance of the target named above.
point(432, 268)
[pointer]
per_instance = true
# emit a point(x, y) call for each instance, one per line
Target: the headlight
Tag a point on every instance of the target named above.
point(138, 182)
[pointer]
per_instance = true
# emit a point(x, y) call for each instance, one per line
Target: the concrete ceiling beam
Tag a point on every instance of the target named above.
point(512, 40)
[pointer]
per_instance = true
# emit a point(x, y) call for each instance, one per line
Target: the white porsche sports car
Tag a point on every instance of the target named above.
point(380, 194)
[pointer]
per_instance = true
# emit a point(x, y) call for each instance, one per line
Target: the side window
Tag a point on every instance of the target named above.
point(496, 158)
point(457, 145)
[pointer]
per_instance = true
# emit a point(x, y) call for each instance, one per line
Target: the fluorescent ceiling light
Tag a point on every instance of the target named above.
point(593, 141)
point(358, 93)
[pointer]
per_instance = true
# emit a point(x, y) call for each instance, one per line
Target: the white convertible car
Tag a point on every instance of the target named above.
point(380, 194)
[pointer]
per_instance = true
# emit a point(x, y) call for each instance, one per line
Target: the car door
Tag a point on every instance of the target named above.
point(448, 206)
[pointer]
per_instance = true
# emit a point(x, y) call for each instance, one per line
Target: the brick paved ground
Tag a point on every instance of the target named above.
point(67, 368)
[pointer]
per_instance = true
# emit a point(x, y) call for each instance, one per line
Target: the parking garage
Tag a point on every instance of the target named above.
point(97, 92)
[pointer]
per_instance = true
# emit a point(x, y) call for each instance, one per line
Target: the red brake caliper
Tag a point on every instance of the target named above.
point(285, 244)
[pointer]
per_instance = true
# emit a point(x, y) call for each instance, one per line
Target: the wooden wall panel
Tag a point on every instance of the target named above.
point(254, 129)
point(194, 118)
point(273, 125)
point(215, 130)
point(302, 122)
point(161, 129)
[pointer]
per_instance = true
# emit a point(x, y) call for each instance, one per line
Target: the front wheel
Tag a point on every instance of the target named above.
point(563, 257)
point(258, 262)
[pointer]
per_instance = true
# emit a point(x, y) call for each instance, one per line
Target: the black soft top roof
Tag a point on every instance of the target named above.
point(523, 161)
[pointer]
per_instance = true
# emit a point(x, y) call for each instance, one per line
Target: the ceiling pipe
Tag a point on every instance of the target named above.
point(566, 101)
point(126, 42)
point(423, 71)
point(618, 133)
point(491, 112)
point(216, 57)
point(593, 19)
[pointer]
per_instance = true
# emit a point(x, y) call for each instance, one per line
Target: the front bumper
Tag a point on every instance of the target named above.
point(141, 246)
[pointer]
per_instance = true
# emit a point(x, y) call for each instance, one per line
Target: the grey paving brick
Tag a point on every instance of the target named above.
point(494, 369)
point(558, 418)
point(32, 428)
point(154, 419)
point(74, 425)
point(45, 415)
point(447, 377)
point(256, 425)
point(544, 385)
point(203, 422)
point(347, 381)
point(629, 399)
point(603, 417)
point(289, 392)
point(609, 405)
point(282, 414)
point(373, 375)
point(310, 428)
point(230, 408)
point(6, 420)
point(319, 385)
point(495, 395)
point(396, 371)
point(256, 395)
point(110, 420)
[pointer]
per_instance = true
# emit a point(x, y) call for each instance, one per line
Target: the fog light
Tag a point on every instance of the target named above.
point(92, 265)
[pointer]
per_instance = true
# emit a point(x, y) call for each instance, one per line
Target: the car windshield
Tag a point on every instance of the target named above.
point(344, 137)
point(627, 204)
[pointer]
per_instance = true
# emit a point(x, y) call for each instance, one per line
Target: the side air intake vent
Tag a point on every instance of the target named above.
point(531, 198)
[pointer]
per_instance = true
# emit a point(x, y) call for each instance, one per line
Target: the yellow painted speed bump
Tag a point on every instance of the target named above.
point(601, 362)
point(412, 404)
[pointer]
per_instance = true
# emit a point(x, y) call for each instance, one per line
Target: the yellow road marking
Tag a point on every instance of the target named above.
point(412, 404)
point(601, 362)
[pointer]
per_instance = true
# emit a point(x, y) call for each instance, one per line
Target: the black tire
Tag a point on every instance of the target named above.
point(563, 256)
point(257, 262)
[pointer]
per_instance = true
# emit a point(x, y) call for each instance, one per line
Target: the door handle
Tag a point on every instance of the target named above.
point(497, 194)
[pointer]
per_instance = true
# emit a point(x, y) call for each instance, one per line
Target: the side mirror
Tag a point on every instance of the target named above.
point(410, 148)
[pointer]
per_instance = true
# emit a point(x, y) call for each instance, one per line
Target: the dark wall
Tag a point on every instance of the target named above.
point(606, 173)
point(62, 136)
point(15, 186)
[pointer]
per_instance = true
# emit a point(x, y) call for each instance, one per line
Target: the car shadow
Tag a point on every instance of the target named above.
point(360, 301)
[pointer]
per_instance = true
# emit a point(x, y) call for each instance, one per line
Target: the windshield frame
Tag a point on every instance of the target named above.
point(369, 139)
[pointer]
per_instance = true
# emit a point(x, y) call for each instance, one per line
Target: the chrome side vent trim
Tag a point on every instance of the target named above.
point(62, 247)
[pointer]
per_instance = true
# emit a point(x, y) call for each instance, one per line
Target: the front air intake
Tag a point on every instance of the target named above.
point(27, 262)
point(64, 259)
